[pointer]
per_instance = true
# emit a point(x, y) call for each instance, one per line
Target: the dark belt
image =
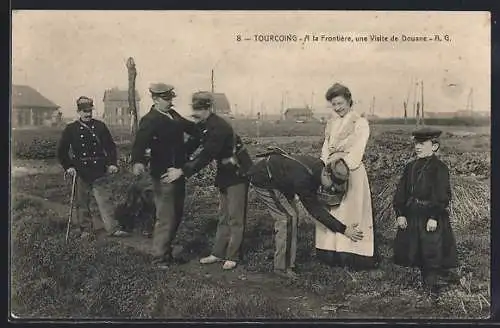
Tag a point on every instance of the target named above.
point(418, 202)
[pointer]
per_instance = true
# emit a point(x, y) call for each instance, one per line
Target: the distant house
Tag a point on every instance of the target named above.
point(221, 104)
point(299, 114)
point(31, 109)
point(116, 111)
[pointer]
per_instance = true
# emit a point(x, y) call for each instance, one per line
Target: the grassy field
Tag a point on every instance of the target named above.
point(108, 278)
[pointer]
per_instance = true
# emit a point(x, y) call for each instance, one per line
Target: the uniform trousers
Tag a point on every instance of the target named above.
point(231, 225)
point(83, 218)
point(169, 202)
point(284, 212)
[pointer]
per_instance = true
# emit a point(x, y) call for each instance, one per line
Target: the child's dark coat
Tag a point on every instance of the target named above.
point(424, 192)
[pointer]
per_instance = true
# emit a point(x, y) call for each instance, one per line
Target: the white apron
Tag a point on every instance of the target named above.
point(346, 138)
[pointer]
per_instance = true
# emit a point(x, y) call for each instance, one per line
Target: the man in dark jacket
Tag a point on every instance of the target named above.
point(277, 179)
point(218, 143)
point(162, 131)
point(425, 238)
point(94, 155)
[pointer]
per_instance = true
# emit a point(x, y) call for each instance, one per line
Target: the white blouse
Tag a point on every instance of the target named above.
point(346, 137)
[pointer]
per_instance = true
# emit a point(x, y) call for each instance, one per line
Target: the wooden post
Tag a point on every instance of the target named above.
point(132, 74)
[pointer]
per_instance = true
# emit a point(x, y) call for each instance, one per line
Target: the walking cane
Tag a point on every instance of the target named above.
point(73, 187)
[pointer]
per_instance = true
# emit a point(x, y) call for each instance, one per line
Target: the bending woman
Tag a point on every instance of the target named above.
point(346, 135)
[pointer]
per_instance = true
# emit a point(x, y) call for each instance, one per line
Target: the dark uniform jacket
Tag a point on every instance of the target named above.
point(93, 149)
point(291, 178)
point(424, 193)
point(164, 135)
point(217, 143)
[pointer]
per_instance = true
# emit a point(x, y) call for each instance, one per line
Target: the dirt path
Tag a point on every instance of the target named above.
point(287, 295)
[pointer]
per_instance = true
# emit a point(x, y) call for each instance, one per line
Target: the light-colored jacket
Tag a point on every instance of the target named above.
point(346, 137)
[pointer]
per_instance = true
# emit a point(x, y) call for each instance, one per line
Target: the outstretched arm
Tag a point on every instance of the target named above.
point(212, 146)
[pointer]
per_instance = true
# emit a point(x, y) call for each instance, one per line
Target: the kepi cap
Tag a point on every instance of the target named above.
point(426, 133)
point(162, 89)
point(202, 100)
point(83, 103)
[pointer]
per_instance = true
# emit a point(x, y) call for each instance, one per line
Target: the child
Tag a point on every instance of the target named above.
point(424, 237)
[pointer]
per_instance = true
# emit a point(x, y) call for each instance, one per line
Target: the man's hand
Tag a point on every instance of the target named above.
point(71, 171)
point(401, 222)
point(431, 225)
point(172, 175)
point(138, 169)
point(353, 233)
point(112, 169)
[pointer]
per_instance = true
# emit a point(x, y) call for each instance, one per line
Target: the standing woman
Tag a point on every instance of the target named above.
point(346, 135)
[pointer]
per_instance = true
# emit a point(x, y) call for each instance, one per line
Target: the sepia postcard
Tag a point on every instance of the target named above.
point(250, 165)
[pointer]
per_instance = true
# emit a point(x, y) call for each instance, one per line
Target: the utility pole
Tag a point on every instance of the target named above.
point(405, 105)
point(417, 121)
point(212, 90)
point(422, 102)
point(415, 100)
point(212, 82)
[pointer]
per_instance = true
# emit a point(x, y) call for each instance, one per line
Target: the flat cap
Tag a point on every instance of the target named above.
point(162, 89)
point(426, 133)
point(202, 100)
point(338, 90)
point(84, 102)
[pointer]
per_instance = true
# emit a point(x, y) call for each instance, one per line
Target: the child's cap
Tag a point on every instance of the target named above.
point(425, 134)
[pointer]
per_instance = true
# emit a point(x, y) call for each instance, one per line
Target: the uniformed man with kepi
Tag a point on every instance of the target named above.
point(94, 156)
point(219, 142)
point(162, 131)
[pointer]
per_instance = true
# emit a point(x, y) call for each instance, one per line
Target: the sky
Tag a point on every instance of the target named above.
point(66, 54)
